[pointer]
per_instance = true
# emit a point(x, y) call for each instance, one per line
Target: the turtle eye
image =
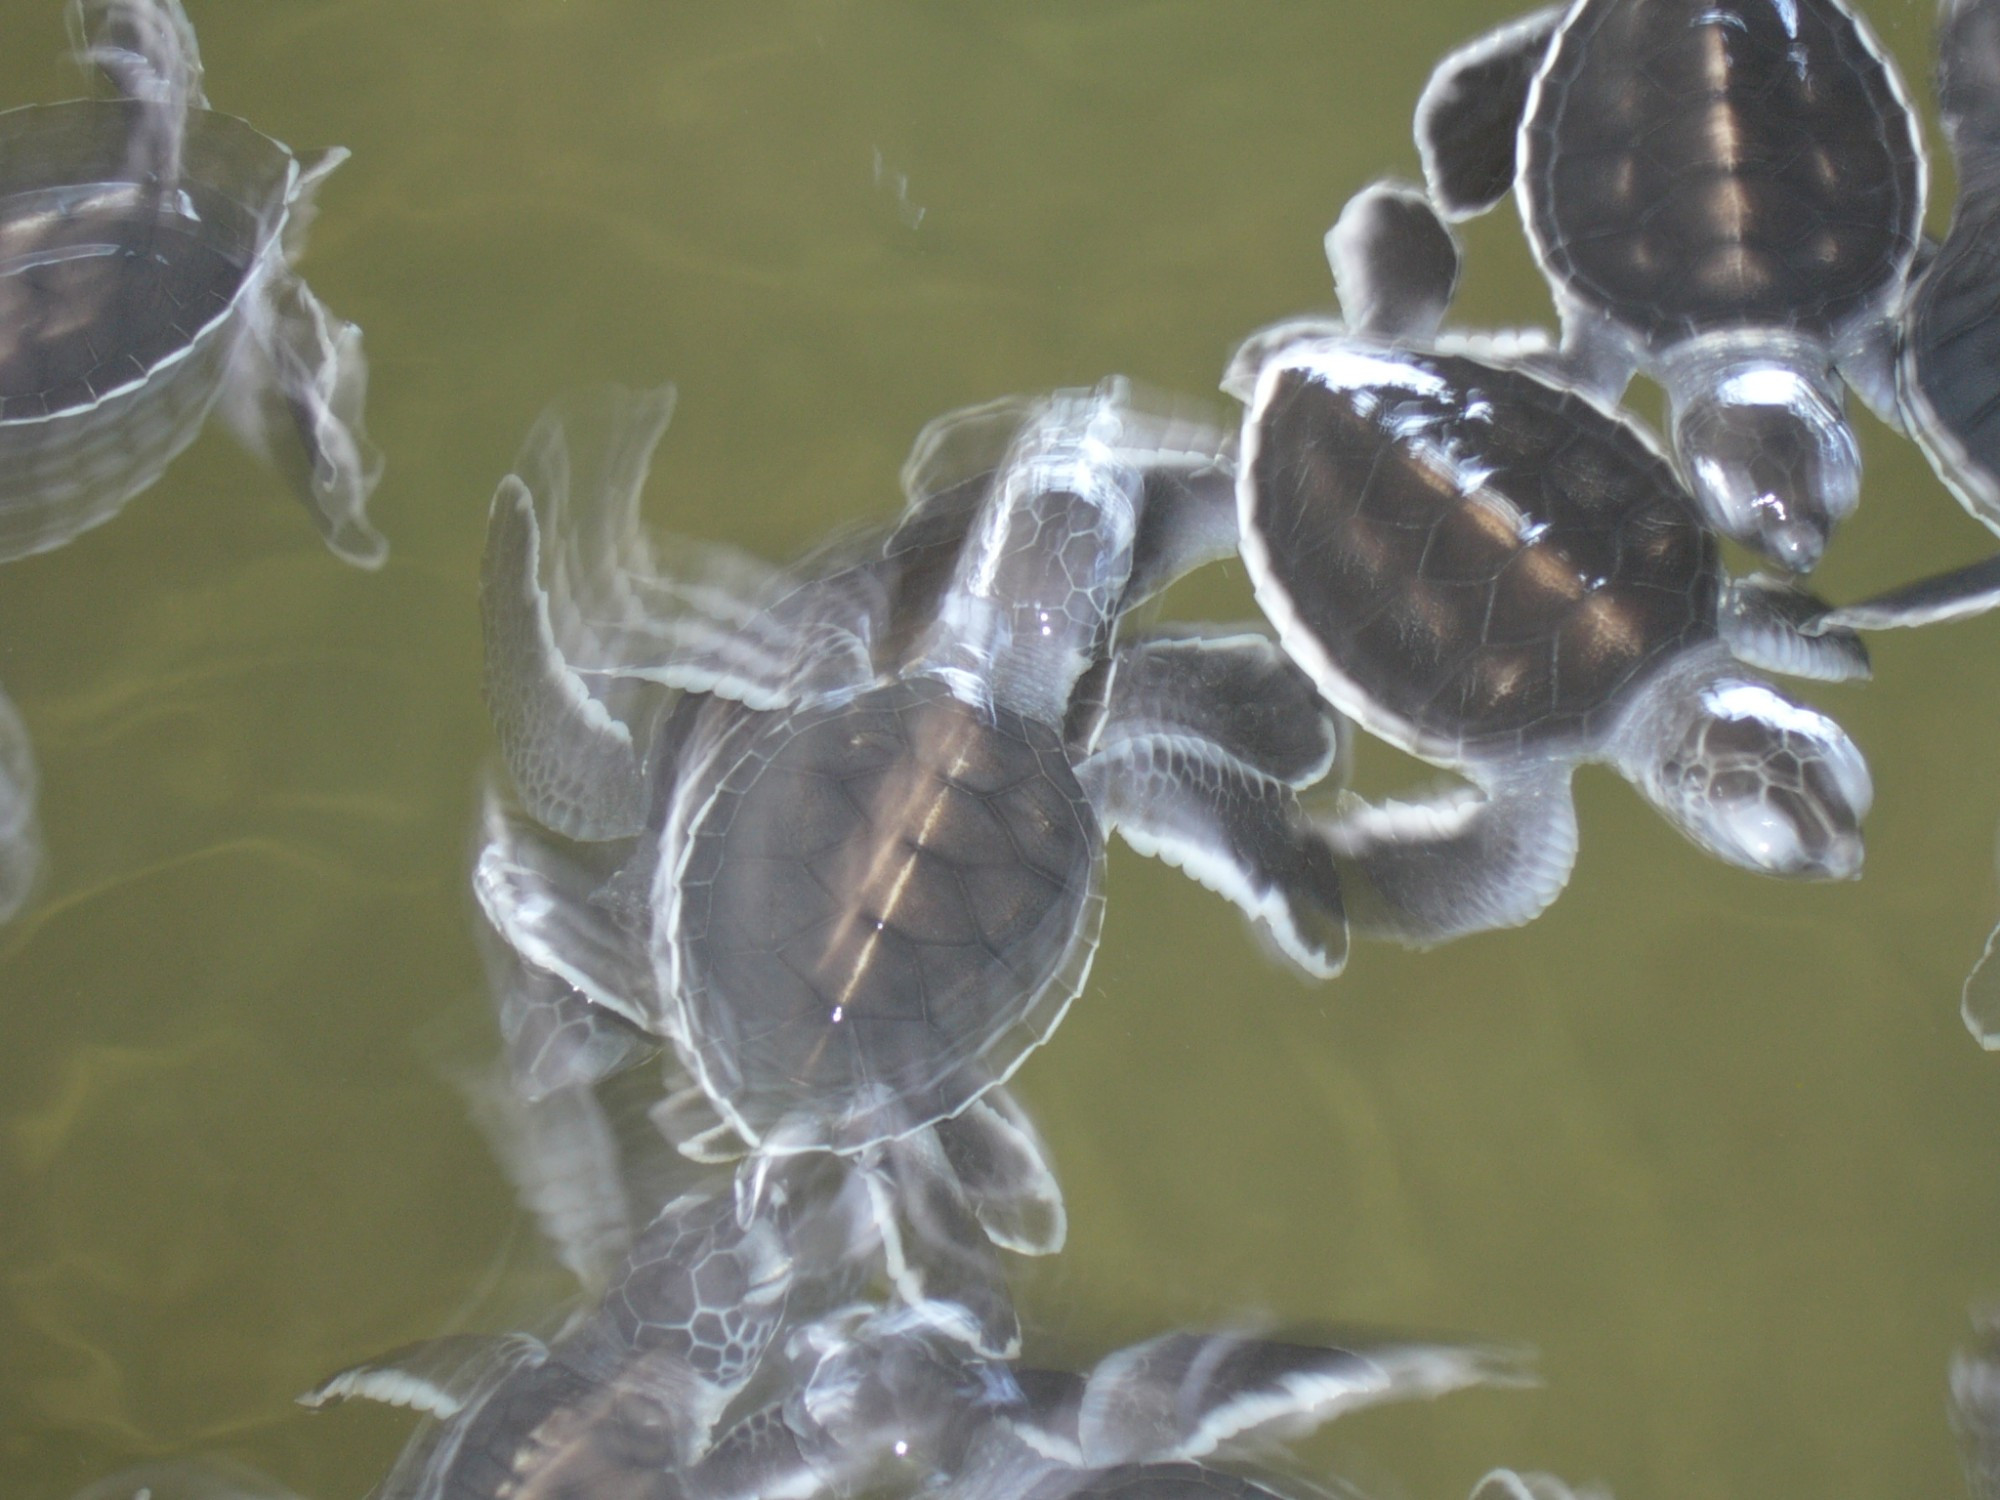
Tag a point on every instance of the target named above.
point(1772, 462)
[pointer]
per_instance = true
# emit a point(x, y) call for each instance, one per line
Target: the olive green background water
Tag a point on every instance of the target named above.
point(1717, 1146)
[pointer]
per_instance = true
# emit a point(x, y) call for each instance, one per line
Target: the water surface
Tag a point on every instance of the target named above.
point(1717, 1146)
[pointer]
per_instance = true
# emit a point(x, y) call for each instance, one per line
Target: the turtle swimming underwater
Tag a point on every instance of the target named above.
point(852, 868)
point(145, 275)
point(901, 1396)
point(1501, 577)
point(1950, 337)
point(1726, 194)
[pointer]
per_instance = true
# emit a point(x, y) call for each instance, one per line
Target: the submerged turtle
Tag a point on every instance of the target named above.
point(901, 1394)
point(20, 832)
point(852, 868)
point(1975, 1407)
point(1499, 576)
point(1948, 376)
point(633, 1386)
point(1726, 194)
point(145, 274)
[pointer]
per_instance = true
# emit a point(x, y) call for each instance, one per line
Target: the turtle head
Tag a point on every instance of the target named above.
point(1771, 459)
point(1763, 782)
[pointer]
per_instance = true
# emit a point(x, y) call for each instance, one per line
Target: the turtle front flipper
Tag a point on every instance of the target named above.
point(1782, 628)
point(440, 1377)
point(20, 830)
point(1201, 743)
point(538, 897)
point(1185, 1395)
point(1187, 520)
point(147, 49)
point(573, 761)
point(1957, 594)
point(1004, 1169)
point(1468, 861)
point(1470, 113)
point(1395, 264)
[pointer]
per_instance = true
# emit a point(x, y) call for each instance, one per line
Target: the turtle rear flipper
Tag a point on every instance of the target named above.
point(1467, 861)
point(934, 1245)
point(1470, 113)
point(1185, 1396)
point(538, 896)
point(1201, 744)
point(1004, 1168)
point(1395, 264)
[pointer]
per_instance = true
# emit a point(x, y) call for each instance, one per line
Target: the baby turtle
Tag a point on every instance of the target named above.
point(1499, 576)
point(1946, 376)
point(1726, 194)
point(634, 1386)
point(900, 1395)
point(20, 833)
point(864, 848)
point(146, 249)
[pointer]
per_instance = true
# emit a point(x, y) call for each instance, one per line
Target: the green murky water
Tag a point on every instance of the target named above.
point(1717, 1146)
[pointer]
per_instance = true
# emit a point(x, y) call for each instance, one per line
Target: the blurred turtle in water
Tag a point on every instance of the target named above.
point(1975, 1407)
point(849, 861)
point(881, 1400)
point(1725, 194)
point(20, 834)
point(1498, 575)
point(146, 248)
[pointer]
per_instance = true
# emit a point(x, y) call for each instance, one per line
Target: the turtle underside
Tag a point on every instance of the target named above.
point(1690, 166)
point(1490, 562)
point(877, 906)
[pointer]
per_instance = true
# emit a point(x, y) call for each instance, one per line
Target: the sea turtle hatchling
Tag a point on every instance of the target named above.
point(1501, 577)
point(889, 1398)
point(145, 274)
point(1726, 194)
point(852, 869)
point(1948, 372)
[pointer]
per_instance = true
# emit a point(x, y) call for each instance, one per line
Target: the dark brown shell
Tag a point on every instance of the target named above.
point(1690, 165)
point(877, 896)
point(1488, 561)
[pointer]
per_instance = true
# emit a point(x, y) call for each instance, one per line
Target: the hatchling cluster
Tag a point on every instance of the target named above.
point(825, 843)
